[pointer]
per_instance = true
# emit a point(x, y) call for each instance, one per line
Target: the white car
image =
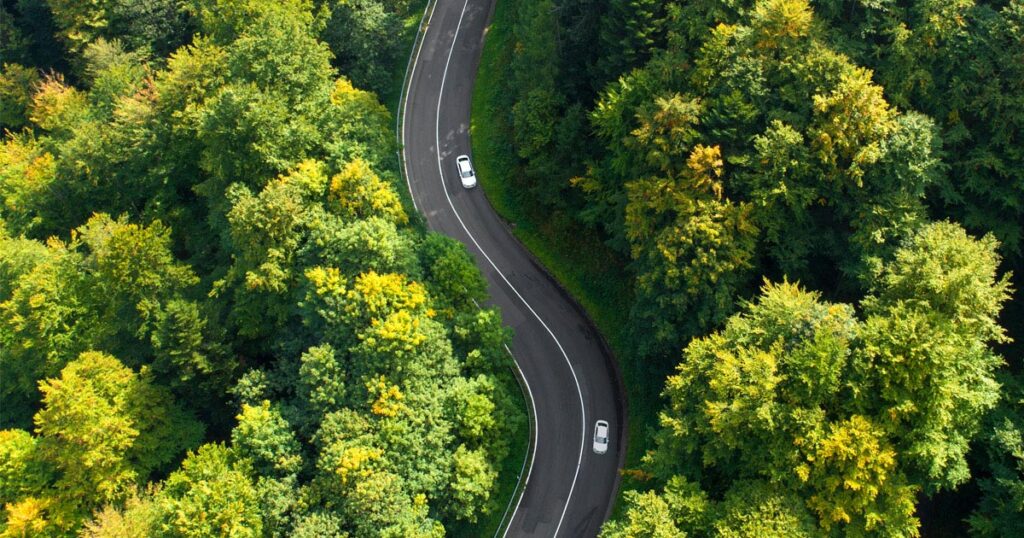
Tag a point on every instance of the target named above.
point(466, 173)
point(601, 437)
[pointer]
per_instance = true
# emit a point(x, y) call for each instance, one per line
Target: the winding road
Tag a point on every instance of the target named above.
point(571, 380)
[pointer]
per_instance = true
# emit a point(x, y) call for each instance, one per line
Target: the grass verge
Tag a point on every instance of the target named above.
point(593, 274)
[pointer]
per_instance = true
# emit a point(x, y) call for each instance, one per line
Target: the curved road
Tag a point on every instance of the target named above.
point(573, 382)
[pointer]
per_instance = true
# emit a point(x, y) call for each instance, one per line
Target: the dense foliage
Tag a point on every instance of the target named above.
point(216, 316)
point(849, 417)
point(716, 145)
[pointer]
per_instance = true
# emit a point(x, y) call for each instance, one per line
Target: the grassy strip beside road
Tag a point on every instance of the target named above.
point(511, 465)
point(592, 273)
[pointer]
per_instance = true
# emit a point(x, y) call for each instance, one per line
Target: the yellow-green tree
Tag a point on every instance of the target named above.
point(210, 495)
point(103, 429)
point(854, 416)
point(770, 152)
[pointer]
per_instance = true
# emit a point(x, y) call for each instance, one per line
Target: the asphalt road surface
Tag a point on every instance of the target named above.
point(572, 381)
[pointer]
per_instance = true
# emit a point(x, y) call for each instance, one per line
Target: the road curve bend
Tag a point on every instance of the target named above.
point(572, 381)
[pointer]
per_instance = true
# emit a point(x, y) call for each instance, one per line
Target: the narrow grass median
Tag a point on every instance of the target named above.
point(594, 275)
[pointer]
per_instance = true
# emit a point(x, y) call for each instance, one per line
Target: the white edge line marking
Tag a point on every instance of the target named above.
point(533, 451)
point(440, 169)
point(404, 100)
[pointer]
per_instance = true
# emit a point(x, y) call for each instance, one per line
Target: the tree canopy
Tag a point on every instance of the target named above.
point(857, 155)
point(217, 317)
point(852, 415)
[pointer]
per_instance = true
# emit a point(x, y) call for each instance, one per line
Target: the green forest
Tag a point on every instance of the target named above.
point(218, 314)
point(808, 216)
point(799, 223)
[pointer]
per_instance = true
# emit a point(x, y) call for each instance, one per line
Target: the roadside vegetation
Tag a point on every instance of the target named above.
point(588, 269)
point(217, 317)
point(803, 220)
point(410, 24)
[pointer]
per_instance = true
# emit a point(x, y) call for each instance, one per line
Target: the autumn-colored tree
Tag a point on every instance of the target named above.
point(853, 416)
point(103, 428)
point(227, 215)
point(211, 495)
point(774, 152)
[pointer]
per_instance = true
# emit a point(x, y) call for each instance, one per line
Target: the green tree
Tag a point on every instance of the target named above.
point(112, 72)
point(980, 104)
point(691, 249)
point(630, 31)
point(756, 509)
point(265, 439)
point(115, 286)
point(772, 152)
point(22, 474)
point(411, 349)
point(320, 525)
point(45, 322)
point(361, 36)
point(133, 276)
point(855, 482)
point(322, 380)
point(481, 338)
point(266, 232)
point(450, 274)
point(931, 319)
point(15, 44)
point(357, 192)
point(247, 128)
point(372, 244)
point(210, 495)
point(189, 351)
point(27, 172)
point(955, 61)
point(1000, 511)
point(226, 20)
point(475, 409)
point(17, 83)
point(853, 416)
point(472, 480)
point(139, 518)
point(17, 257)
point(80, 22)
point(105, 429)
point(647, 516)
point(539, 101)
point(159, 26)
point(363, 126)
point(380, 507)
